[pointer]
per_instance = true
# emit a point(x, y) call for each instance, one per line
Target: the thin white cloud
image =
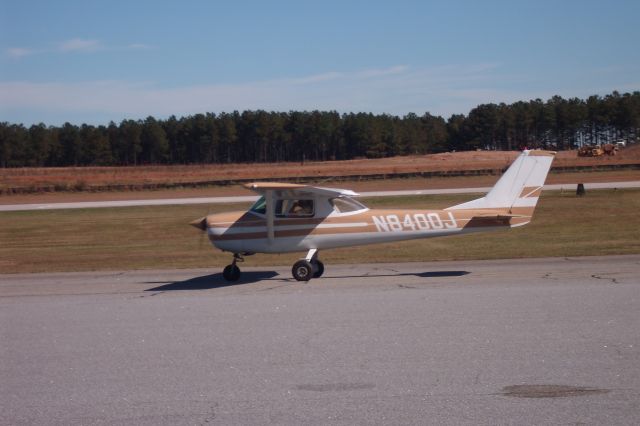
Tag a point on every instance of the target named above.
point(18, 52)
point(79, 45)
point(74, 45)
point(398, 69)
point(138, 46)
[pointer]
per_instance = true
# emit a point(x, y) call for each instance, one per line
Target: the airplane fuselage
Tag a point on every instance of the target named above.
point(247, 232)
point(294, 217)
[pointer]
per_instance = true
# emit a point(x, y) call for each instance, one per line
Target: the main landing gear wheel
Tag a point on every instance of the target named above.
point(302, 270)
point(319, 266)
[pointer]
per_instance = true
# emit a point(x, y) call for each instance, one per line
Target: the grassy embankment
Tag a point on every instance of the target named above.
point(601, 223)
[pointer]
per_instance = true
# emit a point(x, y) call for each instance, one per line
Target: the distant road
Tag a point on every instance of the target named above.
point(251, 198)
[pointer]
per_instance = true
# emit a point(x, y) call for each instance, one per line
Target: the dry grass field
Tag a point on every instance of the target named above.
point(601, 223)
point(149, 177)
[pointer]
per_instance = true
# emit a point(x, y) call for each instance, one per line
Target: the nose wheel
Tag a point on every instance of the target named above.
point(232, 272)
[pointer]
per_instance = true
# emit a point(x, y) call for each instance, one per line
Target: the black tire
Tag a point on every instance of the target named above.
point(231, 273)
point(320, 269)
point(302, 270)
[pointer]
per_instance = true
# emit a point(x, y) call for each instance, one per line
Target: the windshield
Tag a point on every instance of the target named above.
point(346, 205)
point(260, 206)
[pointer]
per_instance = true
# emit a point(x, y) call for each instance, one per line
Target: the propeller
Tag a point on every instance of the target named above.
point(201, 223)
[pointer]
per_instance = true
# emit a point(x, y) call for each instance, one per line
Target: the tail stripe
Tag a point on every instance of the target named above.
point(531, 191)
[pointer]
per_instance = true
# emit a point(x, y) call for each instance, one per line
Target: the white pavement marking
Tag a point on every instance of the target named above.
point(252, 198)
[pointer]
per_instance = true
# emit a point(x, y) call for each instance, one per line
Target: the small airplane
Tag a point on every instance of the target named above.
point(292, 217)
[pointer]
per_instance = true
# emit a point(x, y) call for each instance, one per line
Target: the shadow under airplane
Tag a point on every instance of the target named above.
point(433, 274)
point(212, 281)
point(206, 282)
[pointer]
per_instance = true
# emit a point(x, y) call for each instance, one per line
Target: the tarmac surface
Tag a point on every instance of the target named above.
point(252, 198)
point(533, 341)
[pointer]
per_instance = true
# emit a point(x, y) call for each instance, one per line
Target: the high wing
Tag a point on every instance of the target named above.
point(263, 187)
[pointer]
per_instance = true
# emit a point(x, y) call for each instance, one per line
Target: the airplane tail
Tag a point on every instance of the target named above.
point(516, 192)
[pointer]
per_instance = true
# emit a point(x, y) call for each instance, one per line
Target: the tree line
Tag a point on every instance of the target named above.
point(261, 136)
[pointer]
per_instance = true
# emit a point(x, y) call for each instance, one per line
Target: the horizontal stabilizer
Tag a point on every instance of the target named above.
point(496, 215)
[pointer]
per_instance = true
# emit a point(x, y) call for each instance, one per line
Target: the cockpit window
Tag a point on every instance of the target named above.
point(260, 206)
point(346, 205)
point(294, 208)
point(286, 208)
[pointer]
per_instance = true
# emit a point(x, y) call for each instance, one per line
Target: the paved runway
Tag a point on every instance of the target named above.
point(544, 341)
point(251, 198)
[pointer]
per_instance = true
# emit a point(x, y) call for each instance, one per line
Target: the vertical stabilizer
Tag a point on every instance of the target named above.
point(518, 188)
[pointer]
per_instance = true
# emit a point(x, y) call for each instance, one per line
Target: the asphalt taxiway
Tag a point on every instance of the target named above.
point(534, 341)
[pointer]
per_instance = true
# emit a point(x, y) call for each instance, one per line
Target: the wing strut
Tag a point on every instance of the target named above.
point(270, 214)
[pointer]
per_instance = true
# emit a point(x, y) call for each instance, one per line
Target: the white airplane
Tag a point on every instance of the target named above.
point(291, 217)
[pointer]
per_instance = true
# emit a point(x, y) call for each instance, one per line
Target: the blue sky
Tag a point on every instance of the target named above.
point(96, 61)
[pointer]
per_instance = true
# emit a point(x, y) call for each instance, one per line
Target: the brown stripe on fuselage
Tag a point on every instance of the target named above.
point(235, 237)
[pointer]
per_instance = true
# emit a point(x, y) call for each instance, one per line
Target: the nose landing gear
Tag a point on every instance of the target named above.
point(232, 272)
